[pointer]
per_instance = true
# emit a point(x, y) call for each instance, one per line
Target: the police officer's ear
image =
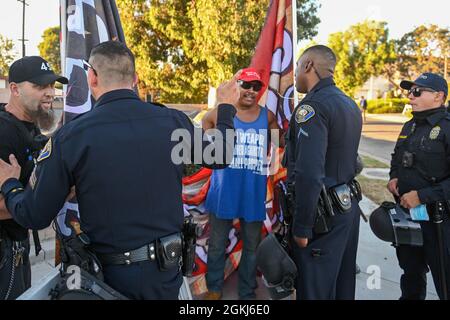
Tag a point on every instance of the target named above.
point(135, 79)
point(92, 79)
point(441, 97)
point(308, 65)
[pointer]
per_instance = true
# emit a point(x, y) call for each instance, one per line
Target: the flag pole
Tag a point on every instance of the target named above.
point(63, 42)
point(294, 46)
point(63, 35)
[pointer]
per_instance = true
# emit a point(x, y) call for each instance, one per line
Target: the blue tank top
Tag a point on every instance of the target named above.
point(239, 191)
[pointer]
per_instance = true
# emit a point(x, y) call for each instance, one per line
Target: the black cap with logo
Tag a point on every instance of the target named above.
point(33, 69)
point(427, 80)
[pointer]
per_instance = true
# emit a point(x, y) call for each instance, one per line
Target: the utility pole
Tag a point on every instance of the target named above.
point(24, 3)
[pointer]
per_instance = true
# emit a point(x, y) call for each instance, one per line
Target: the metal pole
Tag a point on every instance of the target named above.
point(24, 3)
point(294, 47)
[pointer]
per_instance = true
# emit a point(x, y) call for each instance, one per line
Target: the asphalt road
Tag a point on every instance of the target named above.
point(379, 137)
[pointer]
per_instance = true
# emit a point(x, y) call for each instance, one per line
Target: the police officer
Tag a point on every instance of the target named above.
point(128, 186)
point(322, 147)
point(420, 175)
point(29, 108)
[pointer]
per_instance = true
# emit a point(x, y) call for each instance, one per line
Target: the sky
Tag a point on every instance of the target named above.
point(336, 15)
point(402, 16)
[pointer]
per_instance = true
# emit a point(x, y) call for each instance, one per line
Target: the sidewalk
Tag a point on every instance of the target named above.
point(388, 117)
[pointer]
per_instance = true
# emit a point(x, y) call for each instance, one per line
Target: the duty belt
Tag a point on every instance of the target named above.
point(147, 252)
point(167, 251)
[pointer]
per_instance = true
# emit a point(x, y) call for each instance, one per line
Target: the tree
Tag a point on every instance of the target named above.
point(49, 48)
point(362, 51)
point(307, 19)
point(422, 50)
point(184, 46)
point(7, 54)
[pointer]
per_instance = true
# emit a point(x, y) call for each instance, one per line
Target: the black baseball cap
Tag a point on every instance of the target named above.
point(33, 69)
point(427, 80)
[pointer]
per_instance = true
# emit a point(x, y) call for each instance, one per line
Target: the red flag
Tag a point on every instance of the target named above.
point(274, 59)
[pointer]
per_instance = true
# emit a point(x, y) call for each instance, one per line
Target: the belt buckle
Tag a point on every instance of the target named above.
point(151, 251)
point(127, 258)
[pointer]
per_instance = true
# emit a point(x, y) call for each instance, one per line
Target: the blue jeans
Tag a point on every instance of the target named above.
point(218, 240)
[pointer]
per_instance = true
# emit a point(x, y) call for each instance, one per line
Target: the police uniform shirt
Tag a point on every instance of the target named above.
point(322, 147)
point(118, 156)
point(427, 138)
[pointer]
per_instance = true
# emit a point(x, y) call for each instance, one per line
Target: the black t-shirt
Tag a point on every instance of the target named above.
point(12, 141)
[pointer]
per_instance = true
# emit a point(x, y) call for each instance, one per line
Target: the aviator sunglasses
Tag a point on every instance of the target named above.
point(417, 91)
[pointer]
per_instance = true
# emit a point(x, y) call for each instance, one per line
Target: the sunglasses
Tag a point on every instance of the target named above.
point(87, 66)
point(417, 92)
point(257, 86)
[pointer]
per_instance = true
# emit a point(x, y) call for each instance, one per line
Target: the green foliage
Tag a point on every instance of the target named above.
point(184, 46)
point(386, 105)
point(307, 19)
point(362, 51)
point(7, 54)
point(421, 50)
point(49, 48)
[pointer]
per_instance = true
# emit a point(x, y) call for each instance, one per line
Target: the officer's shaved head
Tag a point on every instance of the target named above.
point(316, 63)
point(114, 63)
point(323, 58)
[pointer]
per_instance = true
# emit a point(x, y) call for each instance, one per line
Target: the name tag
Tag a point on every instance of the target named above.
point(419, 213)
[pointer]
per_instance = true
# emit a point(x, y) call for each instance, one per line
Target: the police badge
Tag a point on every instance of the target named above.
point(304, 113)
point(435, 132)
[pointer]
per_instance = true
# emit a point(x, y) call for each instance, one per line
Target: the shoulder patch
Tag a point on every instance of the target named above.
point(46, 152)
point(304, 113)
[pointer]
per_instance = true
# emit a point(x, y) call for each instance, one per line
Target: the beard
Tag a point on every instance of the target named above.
point(44, 119)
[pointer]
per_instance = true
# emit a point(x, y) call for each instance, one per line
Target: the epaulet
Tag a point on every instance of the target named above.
point(157, 104)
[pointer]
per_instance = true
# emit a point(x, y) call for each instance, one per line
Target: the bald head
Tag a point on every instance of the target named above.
point(316, 63)
point(323, 58)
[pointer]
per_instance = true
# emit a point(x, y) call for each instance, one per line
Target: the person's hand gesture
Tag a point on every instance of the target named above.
point(228, 92)
point(8, 171)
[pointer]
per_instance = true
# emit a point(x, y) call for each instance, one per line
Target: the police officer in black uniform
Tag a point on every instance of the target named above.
point(31, 82)
point(120, 158)
point(321, 157)
point(420, 175)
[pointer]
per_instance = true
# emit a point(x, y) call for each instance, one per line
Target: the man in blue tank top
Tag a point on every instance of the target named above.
point(239, 191)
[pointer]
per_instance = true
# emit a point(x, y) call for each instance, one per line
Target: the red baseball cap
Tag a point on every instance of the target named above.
point(250, 74)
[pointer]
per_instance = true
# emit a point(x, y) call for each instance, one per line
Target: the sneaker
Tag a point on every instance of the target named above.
point(212, 295)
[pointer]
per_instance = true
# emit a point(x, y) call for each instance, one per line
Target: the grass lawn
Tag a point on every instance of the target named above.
point(375, 189)
point(372, 163)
